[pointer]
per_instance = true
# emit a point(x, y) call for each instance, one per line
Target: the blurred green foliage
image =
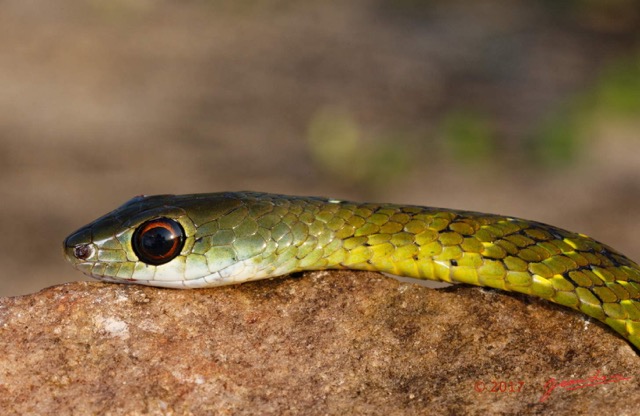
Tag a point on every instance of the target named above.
point(614, 96)
point(618, 92)
point(338, 145)
point(557, 141)
point(468, 136)
point(345, 149)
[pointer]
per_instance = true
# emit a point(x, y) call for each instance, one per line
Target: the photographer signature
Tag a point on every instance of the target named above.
point(580, 383)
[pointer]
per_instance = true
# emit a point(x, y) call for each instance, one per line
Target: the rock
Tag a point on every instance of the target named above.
point(320, 343)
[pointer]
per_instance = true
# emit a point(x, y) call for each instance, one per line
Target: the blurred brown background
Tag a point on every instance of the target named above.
point(530, 109)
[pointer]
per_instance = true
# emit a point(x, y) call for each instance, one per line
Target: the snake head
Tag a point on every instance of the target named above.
point(161, 240)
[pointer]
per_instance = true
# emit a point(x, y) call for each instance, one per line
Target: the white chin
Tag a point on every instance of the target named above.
point(171, 284)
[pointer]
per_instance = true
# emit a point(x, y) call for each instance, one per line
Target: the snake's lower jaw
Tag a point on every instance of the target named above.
point(175, 284)
point(169, 284)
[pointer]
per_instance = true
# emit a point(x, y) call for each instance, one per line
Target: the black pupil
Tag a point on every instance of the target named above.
point(158, 241)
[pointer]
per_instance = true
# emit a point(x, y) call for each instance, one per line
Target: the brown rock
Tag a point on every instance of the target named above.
point(324, 343)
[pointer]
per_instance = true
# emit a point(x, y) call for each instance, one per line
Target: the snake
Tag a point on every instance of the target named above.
point(216, 239)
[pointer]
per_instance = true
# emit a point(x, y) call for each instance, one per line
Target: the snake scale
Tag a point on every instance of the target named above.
point(204, 240)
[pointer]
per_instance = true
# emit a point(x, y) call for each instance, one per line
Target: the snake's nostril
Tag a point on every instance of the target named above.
point(82, 251)
point(79, 245)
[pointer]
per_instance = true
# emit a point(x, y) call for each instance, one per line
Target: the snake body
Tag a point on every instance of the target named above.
point(203, 240)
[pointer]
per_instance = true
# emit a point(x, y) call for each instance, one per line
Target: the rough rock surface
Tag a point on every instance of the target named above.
point(320, 343)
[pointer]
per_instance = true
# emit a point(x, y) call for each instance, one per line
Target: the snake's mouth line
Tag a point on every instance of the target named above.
point(167, 284)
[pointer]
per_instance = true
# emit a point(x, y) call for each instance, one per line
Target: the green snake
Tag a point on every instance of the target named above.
point(204, 240)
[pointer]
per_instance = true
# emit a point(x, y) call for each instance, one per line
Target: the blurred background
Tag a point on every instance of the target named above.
point(530, 109)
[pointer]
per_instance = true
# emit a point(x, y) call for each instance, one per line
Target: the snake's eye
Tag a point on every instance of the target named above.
point(158, 241)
